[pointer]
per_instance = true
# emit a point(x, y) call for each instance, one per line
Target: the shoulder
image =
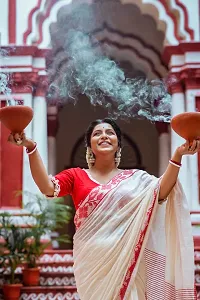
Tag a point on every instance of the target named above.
point(72, 172)
point(142, 174)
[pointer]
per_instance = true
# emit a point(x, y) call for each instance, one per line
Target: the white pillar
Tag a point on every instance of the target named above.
point(40, 127)
point(52, 120)
point(193, 180)
point(178, 106)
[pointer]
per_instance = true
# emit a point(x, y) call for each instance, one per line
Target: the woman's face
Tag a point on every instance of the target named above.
point(104, 139)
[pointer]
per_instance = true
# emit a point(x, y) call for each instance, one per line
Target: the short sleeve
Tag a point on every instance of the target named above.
point(63, 183)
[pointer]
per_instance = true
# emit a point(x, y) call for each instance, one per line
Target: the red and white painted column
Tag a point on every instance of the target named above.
point(184, 63)
point(27, 66)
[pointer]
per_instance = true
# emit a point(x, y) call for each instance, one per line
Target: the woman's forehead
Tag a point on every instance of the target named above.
point(103, 126)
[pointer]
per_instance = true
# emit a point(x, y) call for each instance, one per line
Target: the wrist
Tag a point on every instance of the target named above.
point(177, 156)
point(30, 145)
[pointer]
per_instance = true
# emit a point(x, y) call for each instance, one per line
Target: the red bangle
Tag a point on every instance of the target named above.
point(176, 163)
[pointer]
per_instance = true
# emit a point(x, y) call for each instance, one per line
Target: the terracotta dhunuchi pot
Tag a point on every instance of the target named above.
point(16, 118)
point(187, 125)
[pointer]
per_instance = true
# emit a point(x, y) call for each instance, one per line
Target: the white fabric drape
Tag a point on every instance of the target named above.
point(128, 247)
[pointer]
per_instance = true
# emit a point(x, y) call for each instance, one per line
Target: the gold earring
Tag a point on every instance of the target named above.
point(90, 157)
point(118, 157)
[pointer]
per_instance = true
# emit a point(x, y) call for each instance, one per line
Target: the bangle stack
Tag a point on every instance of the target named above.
point(32, 151)
point(175, 163)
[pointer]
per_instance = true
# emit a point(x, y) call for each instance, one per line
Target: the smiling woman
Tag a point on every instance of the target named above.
point(119, 221)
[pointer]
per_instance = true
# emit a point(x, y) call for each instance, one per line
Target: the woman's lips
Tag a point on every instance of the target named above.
point(104, 143)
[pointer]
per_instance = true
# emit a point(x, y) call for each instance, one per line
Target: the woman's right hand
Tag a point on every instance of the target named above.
point(20, 139)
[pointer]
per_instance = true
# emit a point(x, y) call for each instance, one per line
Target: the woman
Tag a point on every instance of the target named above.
point(126, 245)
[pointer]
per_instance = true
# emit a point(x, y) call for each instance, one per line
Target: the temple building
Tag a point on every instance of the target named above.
point(152, 38)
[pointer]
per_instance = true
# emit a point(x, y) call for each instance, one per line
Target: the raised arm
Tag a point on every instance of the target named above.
point(169, 178)
point(37, 167)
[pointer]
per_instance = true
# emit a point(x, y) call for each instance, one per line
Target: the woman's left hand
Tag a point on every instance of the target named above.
point(189, 148)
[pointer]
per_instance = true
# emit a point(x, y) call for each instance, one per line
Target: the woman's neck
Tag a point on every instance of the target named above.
point(104, 165)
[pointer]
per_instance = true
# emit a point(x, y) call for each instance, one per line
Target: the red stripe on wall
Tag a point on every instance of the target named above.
point(12, 21)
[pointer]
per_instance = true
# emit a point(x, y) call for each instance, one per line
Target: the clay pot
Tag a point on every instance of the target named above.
point(16, 118)
point(11, 291)
point(187, 125)
point(31, 276)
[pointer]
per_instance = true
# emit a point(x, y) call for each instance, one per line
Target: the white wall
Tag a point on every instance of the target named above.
point(193, 16)
point(23, 10)
point(4, 23)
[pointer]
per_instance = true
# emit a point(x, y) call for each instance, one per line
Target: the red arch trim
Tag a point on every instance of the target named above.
point(163, 2)
point(172, 16)
point(29, 30)
point(43, 17)
point(186, 25)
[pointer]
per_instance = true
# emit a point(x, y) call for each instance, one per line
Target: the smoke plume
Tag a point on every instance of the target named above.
point(90, 72)
point(4, 80)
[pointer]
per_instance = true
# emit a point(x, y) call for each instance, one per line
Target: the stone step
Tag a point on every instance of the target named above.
point(50, 279)
point(56, 256)
point(47, 293)
point(57, 279)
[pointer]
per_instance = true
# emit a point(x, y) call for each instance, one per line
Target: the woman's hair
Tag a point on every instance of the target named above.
point(100, 121)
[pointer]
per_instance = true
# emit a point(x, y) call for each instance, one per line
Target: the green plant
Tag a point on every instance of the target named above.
point(47, 216)
point(11, 246)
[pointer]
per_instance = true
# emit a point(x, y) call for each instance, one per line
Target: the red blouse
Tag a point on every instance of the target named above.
point(74, 182)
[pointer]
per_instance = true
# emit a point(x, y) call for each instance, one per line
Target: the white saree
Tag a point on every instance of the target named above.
point(127, 246)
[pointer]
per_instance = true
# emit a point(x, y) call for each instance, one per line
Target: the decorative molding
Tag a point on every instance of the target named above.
point(57, 281)
point(186, 19)
point(45, 13)
point(56, 258)
point(48, 269)
point(171, 17)
point(29, 82)
point(30, 19)
point(179, 49)
point(57, 269)
point(51, 295)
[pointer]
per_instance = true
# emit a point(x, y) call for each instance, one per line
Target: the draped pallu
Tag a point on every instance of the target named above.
point(127, 246)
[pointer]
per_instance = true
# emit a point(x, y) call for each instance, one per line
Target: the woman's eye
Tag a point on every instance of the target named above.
point(110, 133)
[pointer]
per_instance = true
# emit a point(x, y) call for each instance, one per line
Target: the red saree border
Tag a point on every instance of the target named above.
point(138, 247)
point(155, 270)
point(97, 195)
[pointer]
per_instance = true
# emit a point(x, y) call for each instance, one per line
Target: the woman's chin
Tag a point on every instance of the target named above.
point(105, 150)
